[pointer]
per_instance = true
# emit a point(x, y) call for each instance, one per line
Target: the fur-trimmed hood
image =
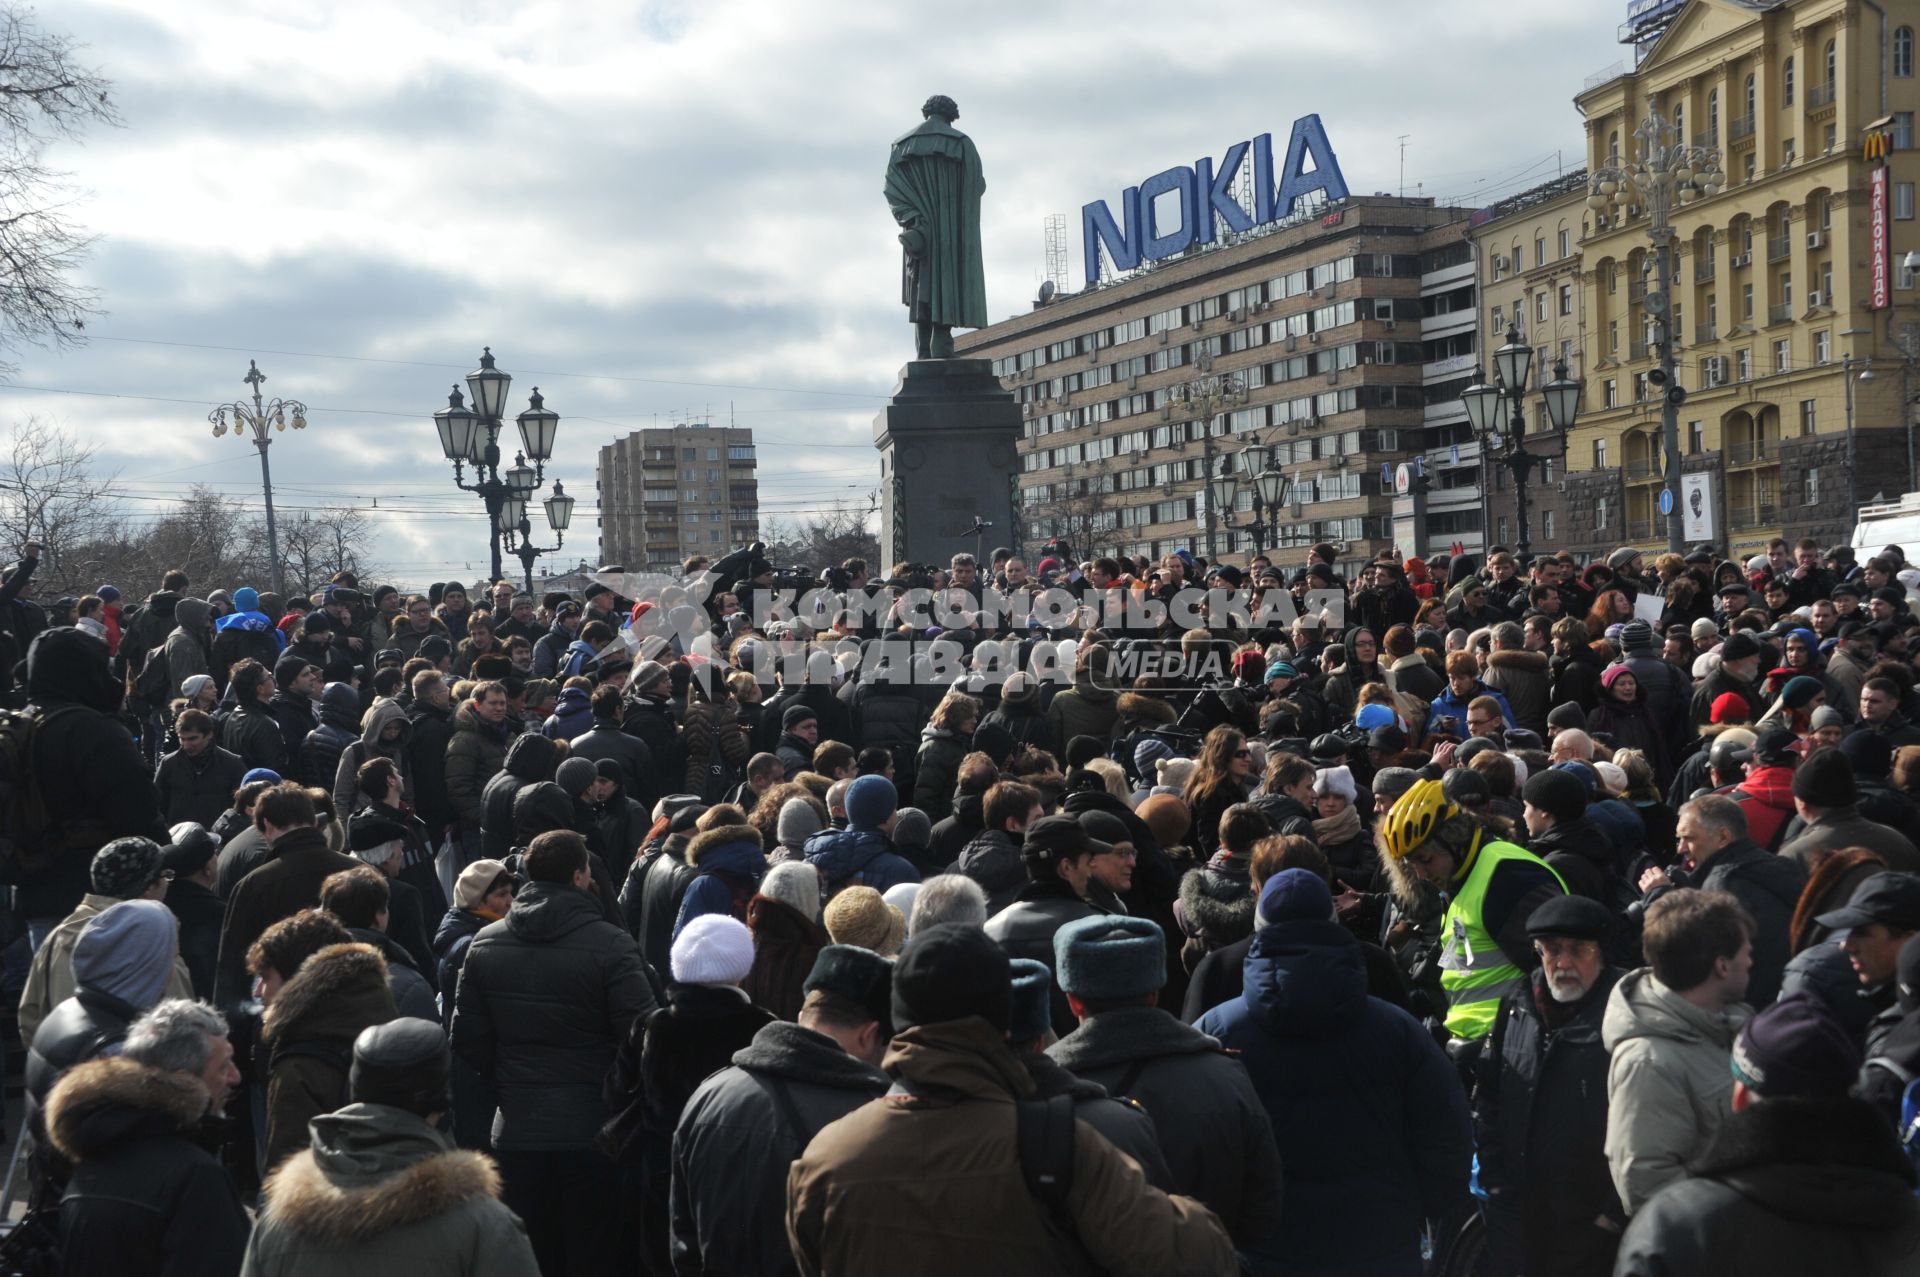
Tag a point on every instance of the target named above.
point(103, 1102)
point(328, 996)
point(1518, 659)
point(735, 847)
point(1216, 906)
point(373, 1169)
point(1143, 707)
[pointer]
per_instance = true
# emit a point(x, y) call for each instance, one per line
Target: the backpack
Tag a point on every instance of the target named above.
point(29, 839)
point(150, 685)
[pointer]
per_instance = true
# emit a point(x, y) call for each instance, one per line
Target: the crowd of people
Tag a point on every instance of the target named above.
point(1463, 915)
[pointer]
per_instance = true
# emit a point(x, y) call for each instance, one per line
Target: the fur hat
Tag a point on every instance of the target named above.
point(1030, 1013)
point(858, 975)
point(1111, 956)
point(859, 916)
point(715, 948)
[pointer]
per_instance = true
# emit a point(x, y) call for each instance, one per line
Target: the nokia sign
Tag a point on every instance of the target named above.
point(1148, 230)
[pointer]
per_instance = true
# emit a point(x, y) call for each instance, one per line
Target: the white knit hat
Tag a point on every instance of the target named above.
point(715, 948)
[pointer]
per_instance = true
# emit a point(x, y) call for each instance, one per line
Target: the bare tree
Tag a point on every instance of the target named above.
point(315, 545)
point(1078, 510)
point(50, 493)
point(45, 95)
point(830, 537)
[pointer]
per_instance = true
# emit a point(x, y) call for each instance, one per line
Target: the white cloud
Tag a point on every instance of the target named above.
point(681, 193)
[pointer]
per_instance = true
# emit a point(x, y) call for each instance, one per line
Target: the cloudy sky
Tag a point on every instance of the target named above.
point(660, 209)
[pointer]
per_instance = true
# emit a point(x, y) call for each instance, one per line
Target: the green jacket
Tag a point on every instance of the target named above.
point(381, 1191)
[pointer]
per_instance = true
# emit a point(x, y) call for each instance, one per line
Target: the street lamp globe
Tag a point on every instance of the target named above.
point(538, 424)
point(1563, 397)
point(455, 423)
point(1253, 459)
point(1222, 489)
point(512, 510)
point(1270, 484)
point(1513, 361)
point(559, 508)
point(521, 478)
point(489, 387)
point(1479, 400)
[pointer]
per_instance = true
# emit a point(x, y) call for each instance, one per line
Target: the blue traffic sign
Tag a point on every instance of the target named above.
point(1666, 501)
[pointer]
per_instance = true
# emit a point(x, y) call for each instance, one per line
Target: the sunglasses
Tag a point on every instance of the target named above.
point(1243, 753)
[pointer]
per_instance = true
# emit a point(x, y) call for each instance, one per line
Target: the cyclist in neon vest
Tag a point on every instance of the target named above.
point(1491, 886)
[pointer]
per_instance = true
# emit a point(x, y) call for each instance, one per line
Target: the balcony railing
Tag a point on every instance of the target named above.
point(1638, 349)
point(1739, 129)
point(1637, 290)
point(1753, 516)
point(1639, 529)
point(1708, 139)
point(1643, 468)
point(1819, 95)
point(1744, 452)
point(1780, 314)
point(1703, 270)
point(1779, 247)
point(1703, 333)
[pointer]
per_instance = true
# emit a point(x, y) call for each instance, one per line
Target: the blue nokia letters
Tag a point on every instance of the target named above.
point(1205, 194)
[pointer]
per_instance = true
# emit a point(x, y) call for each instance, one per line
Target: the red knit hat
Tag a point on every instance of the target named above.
point(1730, 707)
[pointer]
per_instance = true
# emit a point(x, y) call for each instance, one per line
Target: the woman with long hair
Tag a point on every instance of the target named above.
point(1611, 606)
point(1221, 779)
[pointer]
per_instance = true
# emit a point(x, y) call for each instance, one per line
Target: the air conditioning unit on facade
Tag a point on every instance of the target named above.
point(1388, 323)
point(1292, 341)
point(1313, 338)
point(1740, 259)
point(1815, 239)
point(1237, 315)
point(1340, 462)
point(1816, 298)
point(1163, 336)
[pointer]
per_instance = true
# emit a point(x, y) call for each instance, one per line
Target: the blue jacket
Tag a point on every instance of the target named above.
point(728, 865)
point(572, 716)
point(1448, 705)
point(1369, 1116)
point(858, 858)
point(253, 623)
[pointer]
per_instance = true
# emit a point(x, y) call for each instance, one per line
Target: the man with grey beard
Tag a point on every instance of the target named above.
point(1540, 1105)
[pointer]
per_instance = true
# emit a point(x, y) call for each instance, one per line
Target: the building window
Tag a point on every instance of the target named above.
point(1500, 529)
point(1832, 137)
point(1540, 308)
point(1813, 485)
point(1903, 201)
point(1752, 97)
point(1613, 336)
point(1519, 259)
point(1696, 438)
point(1540, 250)
point(713, 454)
point(1600, 451)
point(1713, 115)
point(1746, 303)
point(1903, 52)
point(1566, 299)
point(1786, 81)
point(1609, 393)
point(1499, 319)
point(1786, 153)
point(1902, 131)
point(1831, 56)
point(1782, 356)
point(689, 454)
point(1809, 416)
point(1613, 281)
point(1566, 243)
point(1752, 166)
point(1823, 346)
point(1743, 364)
point(1600, 514)
point(1546, 526)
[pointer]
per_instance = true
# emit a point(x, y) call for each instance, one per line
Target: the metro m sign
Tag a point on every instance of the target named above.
point(1880, 244)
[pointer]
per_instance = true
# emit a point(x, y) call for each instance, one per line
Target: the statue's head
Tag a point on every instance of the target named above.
point(943, 106)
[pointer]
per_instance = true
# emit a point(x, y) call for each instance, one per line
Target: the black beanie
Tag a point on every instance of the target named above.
point(1082, 750)
point(949, 972)
point(1560, 794)
point(1568, 714)
point(404, 1064)
point(1826, 780)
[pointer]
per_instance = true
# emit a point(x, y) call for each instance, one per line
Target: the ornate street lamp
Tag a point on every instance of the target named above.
point(471, 436)
point(1497, 413)
point(259, 421)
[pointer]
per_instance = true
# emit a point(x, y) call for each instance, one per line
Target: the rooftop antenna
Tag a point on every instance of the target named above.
point(1054, 233)
point(1403, 164)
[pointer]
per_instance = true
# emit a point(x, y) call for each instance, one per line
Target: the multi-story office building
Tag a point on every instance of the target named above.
point(670, 493)
point(1782, 301)
point(1527, 250)
point(1331, 326)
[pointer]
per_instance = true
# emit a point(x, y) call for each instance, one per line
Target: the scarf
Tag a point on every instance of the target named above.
point(1331, 831)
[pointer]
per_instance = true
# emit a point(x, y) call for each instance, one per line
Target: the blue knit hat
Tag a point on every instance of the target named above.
point(1372, 716)
point(870, 800)
point(246, 599)
point(1281, 669)
point(1112, 956)
point(1032, 1014)
point(1296, 895)
point(261, 773)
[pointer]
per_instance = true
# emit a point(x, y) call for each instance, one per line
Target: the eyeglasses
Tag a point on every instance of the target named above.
point(1243, 753)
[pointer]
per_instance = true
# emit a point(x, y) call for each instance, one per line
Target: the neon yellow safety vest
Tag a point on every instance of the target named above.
point(1473, 970)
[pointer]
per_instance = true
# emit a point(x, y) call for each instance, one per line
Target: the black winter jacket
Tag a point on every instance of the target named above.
point(546, 996)
point(739, 1135)
point(295, 717)
point(427, 761)
point(605, 740)
point(1540, 1123)
point(197, 789)
point(252, 732)
point(1786, 1186)
point(146, 1195)
point(1579, 852)
point(1769, 886)
point(1211, 1125)
point(339, 728)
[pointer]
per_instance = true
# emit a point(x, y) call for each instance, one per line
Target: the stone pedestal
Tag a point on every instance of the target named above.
point(948, 456)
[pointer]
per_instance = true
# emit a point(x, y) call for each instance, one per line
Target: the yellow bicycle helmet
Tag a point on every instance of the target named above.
point(1414, 818)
